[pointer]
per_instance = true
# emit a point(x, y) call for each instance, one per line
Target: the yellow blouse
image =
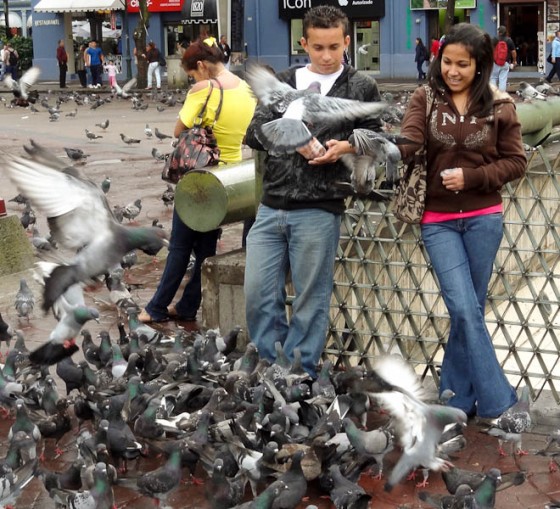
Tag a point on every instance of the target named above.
point(237, 111)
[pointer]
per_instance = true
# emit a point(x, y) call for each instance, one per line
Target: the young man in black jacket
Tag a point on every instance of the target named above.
point(298, 223)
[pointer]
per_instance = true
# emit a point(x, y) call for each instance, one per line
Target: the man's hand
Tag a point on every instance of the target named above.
point(335, 149)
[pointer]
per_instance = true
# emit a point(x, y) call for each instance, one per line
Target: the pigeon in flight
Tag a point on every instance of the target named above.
point(79, 218)
point(126, 88)
point(129, 141)
point(21, 88)
point(92, 136)
point(299, 106)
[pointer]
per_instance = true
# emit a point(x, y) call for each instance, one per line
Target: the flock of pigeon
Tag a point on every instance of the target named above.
point(260, 434)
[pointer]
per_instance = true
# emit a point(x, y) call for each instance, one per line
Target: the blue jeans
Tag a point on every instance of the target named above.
point(303, 241)
point(183, 241)
point(499, 76)
point(462, 253)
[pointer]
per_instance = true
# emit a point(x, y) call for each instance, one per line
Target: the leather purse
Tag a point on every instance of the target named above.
point(410, 195)
point(196, 147)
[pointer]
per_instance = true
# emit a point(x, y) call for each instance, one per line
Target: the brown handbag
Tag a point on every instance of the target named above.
point(410, 196)
point(196, 147)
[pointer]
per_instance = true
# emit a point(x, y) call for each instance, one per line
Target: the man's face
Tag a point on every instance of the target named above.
point(325, 47)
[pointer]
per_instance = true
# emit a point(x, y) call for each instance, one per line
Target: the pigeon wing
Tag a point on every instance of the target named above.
point(318, 108)
point(74, 207)
point(29, 79)
point(283, 136)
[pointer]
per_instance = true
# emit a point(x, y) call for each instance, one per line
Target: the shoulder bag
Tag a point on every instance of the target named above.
point(410, 196)
point(196, 147)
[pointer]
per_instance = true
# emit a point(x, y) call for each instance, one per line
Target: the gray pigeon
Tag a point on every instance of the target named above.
point(125, 89)
point(76, 154)
point(288, 133)
point(372, 149)
point(161, 136)
point(106, 185)
point(455, 477)
point(346, 494)
point(133, 209)
point(510, 426)
point(103, 124)
point(529, 92)
point(148, 131)
point(463, 498)
point(79, 218)
point(157, 155)
point(92, 136)
point(25, 301)
point(128, 140)
point(418, 425)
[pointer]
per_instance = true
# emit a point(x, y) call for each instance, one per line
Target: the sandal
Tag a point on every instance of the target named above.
point(145, 317)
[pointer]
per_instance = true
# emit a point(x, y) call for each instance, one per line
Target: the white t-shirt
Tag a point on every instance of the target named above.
point(304, 78)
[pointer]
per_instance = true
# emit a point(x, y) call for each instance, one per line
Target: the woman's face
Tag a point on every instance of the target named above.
point(458, 68)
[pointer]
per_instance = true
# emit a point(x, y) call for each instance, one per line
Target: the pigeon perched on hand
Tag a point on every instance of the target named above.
point(298, 106)
point(79, 218)
point(372, 149)
point(528, 92)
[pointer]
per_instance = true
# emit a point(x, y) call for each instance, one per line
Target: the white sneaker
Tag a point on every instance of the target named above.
point(98, 86)
point(90, 86)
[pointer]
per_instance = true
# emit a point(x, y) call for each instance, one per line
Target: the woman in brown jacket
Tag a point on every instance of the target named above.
point(474, 147)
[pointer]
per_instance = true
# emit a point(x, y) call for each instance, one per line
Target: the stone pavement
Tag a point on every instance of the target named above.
point(135, 174)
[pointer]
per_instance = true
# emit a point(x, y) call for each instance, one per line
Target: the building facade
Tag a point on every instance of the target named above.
point(383, 32)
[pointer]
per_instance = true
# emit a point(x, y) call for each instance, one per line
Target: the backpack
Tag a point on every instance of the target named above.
point(501, 53)
point(12, 58)
point(161, 60)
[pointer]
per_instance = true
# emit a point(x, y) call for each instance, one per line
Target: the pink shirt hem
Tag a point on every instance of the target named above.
point(437, 217)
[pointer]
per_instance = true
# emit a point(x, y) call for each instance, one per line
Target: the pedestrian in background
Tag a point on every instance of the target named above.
point(152, 56)
point(501, 69)
point(226, 50)
point(474, 147)
point(80, 64)
point(111, 70)
point(11, 59)
point(555, 54)
point(94, 60)
point(2, 64)
point(420, 56)
point(434, 48)
point(62, 59)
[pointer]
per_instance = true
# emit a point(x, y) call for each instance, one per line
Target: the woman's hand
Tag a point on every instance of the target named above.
point(335, 149)
point(453, 179)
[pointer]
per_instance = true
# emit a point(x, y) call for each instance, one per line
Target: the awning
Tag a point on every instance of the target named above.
point(13, 19)
point(78, 5)
point(199, 11)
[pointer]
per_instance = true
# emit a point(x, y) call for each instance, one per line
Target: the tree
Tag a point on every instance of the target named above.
point(7, 20)
point(449, 15)
point(140, 43)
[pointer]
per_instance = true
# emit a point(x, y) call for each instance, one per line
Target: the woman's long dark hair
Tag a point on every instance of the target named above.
point(479, 45)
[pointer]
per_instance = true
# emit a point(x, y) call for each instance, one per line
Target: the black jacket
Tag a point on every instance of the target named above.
point(289, 182)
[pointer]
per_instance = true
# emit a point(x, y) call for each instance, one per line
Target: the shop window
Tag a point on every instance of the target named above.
point(296, 33)
point(366, 45)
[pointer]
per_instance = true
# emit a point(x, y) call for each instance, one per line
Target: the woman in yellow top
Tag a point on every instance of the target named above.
point(204, 64)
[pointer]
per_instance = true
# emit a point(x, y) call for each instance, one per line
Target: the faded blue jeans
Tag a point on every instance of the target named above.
point(462, 253)
point(304, 242)
point(499, 76)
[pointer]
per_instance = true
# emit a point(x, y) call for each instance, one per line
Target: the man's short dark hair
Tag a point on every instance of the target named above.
point(325, 16)
point(502, 30)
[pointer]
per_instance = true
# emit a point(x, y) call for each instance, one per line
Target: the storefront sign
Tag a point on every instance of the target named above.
point(157, 5)
point(44, 22)
point(354, 9)
point(199, 11)
point(441, 4)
